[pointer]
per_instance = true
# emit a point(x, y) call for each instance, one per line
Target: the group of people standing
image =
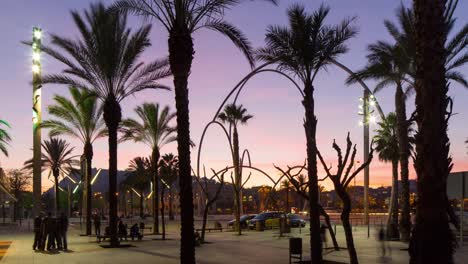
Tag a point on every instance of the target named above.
point(50, 233)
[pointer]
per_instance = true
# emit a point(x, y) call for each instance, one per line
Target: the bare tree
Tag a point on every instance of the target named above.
point(300, 186)
point(17, 182)
point(209, 199)
point(341, 180)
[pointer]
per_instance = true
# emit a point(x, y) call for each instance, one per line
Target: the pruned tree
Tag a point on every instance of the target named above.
point(341, 180)
point(300, 185)
point(209, 198)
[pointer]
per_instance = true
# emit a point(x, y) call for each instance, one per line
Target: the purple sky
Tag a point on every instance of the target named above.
point(274, 135)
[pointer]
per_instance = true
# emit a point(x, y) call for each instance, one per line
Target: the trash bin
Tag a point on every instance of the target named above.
point(259, 226)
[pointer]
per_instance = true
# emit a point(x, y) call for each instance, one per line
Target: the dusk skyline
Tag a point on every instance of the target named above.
point(274, 135)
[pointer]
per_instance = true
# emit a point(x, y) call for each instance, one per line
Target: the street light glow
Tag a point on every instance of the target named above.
point(36, 69)
point(95, 176)
point(37, 33)
point(36, 56)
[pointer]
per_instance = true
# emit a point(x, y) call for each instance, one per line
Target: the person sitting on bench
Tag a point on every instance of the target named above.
point(135, 232)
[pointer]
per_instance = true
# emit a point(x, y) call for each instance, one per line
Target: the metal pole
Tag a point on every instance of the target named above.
point(366, 156)
point(37, 119)
point(462, 208)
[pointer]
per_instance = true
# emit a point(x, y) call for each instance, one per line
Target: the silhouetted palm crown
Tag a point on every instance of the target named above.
point(234, 114)
point(105, 59)
point(80, 117)
point(4, 137)
point(139, 170)
point(56, 157)
point(386, 139)
point(307, 45)
point(456, 45)
point(168, 169)
point(155, 127)
point(192, 15)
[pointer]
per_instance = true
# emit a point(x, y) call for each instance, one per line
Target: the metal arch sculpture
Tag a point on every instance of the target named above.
point(260, 69)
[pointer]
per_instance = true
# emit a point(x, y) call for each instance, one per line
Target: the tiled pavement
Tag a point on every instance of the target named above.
point(226, 247)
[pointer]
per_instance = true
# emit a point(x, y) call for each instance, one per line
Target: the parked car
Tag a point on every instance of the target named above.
point(296, 221)
point(244, 221)
point(267, 219)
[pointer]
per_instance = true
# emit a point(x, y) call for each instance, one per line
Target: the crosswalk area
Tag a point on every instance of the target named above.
point(4, 245)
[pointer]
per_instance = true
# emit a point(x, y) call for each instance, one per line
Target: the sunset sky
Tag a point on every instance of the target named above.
point(274, 136)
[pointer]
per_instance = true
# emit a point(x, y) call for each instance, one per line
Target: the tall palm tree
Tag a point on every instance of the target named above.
point(285, 184)
point(390, 65)
point(403, 34)
point(386, 145)
point(169, 172)
point(235, 115)
point(80, 118)
point(304, 49)
point(4, 138)
point(181, 19)
point(139, 177)
point(432, 240)
point(59, 160)
point(155, 130)
point(456, 45)
point(106, 61)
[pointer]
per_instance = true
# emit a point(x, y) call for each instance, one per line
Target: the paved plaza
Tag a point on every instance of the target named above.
point(224, 247)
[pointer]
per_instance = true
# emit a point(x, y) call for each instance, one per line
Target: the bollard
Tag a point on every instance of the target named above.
point(259, 226)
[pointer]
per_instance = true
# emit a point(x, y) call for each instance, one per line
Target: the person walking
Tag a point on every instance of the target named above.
point(97, 224)
point(122, 230)
point(63, 228)
point(323, 236)
point(37, 233)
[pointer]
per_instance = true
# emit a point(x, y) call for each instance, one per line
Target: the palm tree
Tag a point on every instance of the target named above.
point(386, 145)
point(303, 50)
point(58, 159)
point(390, 65)
point(403, 35)
point(432, 240)
point(80, 118)
point(4, 138)
point(234, 115)
point(155, 131)
point(106, 61)
point(181, 19)
point(285, 184)
point(139, 177)
point(169, 172)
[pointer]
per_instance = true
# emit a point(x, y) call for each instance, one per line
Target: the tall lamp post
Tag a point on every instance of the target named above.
point(367, 112)
point(37, 119)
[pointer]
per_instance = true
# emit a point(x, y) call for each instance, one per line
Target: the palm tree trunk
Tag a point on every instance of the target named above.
point(155, 190)
point(88, 152)
point(162, 215)
point(141, 205)
point(287, 200)
point(432, 240)
point(310, 127)
point(112, 118)
point(180, 58)
point(403, 146)
point(392, 222)
point(171, 213)
point(237, 179)
point(57, 192)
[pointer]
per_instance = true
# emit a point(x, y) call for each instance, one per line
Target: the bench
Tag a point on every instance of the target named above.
point(220, 229)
